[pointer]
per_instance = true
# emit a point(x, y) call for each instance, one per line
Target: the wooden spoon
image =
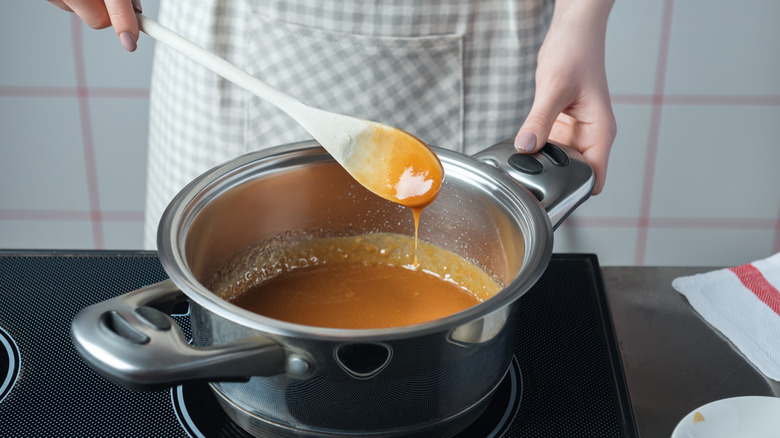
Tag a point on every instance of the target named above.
point(388, 161)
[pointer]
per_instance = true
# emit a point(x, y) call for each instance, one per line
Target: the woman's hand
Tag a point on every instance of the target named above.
point(572, 103)
point(100, 14)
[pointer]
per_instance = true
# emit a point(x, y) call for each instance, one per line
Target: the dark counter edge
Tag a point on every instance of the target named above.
point(626, 412)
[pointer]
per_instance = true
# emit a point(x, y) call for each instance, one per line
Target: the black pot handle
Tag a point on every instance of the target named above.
point(132, 342)
point(557, 175)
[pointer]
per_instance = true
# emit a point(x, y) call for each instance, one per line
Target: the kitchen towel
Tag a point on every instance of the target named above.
point(743, 303)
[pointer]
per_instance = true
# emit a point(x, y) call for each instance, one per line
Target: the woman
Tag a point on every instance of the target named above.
point(459, 74)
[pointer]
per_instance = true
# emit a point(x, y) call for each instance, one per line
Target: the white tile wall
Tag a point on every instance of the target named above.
point(73, 130)
point(38, 49)
point(719, 47)
point(692, 178)
point(633, 38)
point(43, 158)
point(733, 164)
point(121, 157)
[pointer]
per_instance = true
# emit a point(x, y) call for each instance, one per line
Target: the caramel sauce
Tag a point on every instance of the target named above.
point(356, 296)
point(356, 282)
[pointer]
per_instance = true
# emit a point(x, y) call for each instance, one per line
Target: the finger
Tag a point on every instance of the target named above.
point(565, 130)
point(124, 21)
point(599, 155)
point(598, 158)
point(100, 14)
point(92, 12)
point(537, 126)
point(60, 4)
point(593, 140)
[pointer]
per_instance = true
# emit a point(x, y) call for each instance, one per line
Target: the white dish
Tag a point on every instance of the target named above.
point(752, 416)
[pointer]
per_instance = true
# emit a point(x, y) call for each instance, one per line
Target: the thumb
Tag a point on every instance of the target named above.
point(536, 128)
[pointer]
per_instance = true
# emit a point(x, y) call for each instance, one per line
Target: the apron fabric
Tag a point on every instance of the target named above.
point(458, 74)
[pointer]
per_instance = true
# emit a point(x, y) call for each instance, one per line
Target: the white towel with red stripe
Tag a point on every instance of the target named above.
point(743, 303)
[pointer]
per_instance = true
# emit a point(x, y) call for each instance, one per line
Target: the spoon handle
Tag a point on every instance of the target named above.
point(218, 65)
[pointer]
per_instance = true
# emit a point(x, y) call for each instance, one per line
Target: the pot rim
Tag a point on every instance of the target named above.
point(175, 221)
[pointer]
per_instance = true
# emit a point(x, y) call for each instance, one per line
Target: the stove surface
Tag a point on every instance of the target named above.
point(566, 378)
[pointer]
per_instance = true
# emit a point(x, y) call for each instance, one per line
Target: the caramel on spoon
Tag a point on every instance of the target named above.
point(387, 161)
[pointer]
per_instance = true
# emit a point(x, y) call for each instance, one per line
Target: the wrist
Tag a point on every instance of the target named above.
point(591, 14)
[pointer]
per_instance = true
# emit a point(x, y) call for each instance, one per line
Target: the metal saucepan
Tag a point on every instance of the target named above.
point(276, 378)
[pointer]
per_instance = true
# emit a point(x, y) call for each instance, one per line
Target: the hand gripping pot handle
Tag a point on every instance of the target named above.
point(133, 342)
point(558, 176)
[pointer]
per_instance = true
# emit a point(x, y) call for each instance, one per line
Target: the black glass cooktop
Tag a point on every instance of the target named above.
point(566, 378)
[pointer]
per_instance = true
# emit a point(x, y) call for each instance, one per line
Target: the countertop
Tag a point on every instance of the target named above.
point(674, 361)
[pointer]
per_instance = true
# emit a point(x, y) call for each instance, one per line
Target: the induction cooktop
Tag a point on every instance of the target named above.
point(565, 380)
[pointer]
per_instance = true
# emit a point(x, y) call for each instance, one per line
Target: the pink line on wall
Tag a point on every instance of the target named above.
point(713, 223)
point(86, 133)
point(119, 93)
point(9, 91)
point(631, 99)
point(108, 93)
point(70, 215)
point(674, 223)
point(123, 216)
point(43, 215)
point(694, 99)
point(601, 222)
point(652, 140)
point(722, 100)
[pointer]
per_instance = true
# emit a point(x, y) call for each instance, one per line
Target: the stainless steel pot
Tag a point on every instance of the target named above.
point(276, 378)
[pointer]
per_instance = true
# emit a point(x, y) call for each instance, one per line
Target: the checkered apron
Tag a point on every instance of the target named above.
point(458, 74)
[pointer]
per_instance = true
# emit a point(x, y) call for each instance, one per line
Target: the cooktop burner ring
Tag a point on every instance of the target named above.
point(509, 394)
point(10, 363)
point(201, 416)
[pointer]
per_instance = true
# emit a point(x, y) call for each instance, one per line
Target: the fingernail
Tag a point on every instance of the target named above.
point(525, 142)
point(137, 6)
point(128, 42)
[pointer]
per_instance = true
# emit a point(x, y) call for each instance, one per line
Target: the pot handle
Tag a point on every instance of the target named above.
point(132, 341)
point(558, 176)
